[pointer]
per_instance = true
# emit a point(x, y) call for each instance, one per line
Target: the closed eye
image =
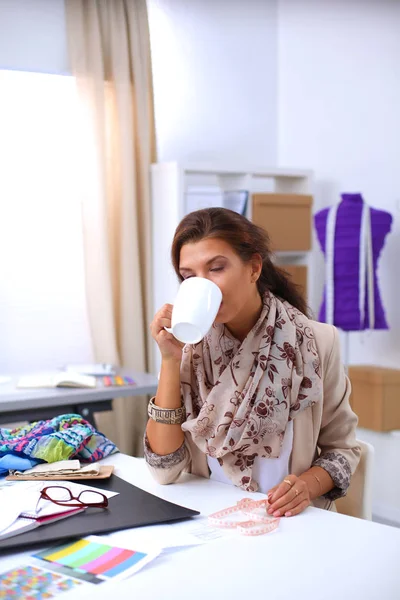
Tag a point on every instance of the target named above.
point(215, 269)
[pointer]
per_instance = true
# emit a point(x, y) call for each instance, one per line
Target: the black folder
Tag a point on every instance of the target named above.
point(132, 507)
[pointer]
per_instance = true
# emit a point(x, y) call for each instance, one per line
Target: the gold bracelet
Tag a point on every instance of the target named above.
point(168, 416)
point(319, 481)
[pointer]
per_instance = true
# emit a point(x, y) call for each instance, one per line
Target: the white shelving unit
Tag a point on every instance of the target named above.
point(169, 184)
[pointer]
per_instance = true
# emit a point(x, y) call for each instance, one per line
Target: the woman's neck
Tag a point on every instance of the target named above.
point(245, 320)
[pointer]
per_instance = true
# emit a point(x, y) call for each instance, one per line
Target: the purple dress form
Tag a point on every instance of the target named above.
point(346, 262)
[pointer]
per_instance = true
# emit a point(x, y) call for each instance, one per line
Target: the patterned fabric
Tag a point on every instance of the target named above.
point(163, 461)
point(65, 436)
point(338, 468)
point(240, 396)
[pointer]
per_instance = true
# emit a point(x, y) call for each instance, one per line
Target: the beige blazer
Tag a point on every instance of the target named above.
point(325, 431)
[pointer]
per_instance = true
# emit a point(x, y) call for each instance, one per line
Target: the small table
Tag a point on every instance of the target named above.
point(17, 404)
point(318, 555)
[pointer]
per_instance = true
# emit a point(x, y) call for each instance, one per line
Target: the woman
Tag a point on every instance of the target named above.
point(262, 402)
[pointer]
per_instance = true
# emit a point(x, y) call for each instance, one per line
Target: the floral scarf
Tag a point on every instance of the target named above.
point(240, 396)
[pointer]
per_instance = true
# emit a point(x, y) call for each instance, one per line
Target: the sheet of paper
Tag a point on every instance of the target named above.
point(191, 532)
point(81, 564)
point(154, 536)
point(201, 532)
point(4, 485)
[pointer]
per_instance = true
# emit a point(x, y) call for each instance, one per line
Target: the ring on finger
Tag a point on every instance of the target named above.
point(296, 492)
point(288, 482)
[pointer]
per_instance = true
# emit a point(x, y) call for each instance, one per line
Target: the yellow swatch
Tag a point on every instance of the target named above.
point(56, 556)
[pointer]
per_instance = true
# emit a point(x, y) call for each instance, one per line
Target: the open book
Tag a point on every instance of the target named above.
point(62, 379)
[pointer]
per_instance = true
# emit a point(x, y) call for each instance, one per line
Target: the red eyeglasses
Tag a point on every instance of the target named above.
point(63, 497)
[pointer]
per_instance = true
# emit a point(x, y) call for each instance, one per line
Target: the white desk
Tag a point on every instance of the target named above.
point(314, 556)
point(17, 404)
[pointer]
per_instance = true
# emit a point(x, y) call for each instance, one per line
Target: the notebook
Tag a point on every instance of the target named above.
point(132, 507)
point(26, 523)
point(62, 379)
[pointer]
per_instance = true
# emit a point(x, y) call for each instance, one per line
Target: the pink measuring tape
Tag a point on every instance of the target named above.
point(258, 524)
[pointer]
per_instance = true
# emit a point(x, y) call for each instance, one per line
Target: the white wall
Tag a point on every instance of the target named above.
point(214, 66)
point(339, 112)
point(33, 36)
point(339, 99)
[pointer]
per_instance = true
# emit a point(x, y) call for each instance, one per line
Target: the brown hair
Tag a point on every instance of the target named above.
point(246, 239)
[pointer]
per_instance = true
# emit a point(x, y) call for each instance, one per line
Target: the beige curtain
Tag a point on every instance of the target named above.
point(109, 50)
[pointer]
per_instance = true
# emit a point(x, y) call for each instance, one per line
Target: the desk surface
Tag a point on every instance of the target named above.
point(317, 555)
point(13, 399)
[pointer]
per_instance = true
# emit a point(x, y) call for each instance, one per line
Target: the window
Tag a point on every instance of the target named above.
point(43, 319)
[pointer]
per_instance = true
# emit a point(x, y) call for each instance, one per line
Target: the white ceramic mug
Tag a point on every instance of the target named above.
point(196, 306)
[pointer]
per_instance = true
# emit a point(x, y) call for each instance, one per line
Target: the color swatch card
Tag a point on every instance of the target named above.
point(82, 563)
point(95, 560)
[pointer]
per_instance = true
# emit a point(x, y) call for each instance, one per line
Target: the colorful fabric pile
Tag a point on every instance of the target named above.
point(66, 436)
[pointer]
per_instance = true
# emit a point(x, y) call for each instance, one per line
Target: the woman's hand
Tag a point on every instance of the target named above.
point(289, 498)
point(170, 347)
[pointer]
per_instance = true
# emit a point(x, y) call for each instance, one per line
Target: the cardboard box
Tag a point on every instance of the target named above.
point(375, 397)
point(299, 276)
point(286, 218)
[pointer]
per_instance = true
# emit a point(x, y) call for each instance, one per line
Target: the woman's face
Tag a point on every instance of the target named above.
point(215, 259)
